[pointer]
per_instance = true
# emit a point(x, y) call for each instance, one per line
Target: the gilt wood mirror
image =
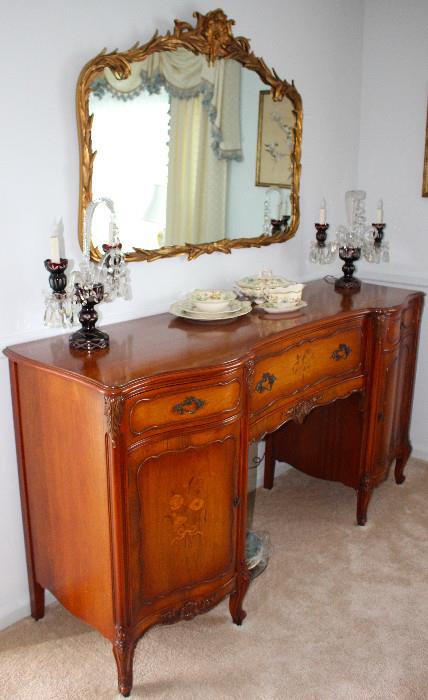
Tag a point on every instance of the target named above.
point(195, 140)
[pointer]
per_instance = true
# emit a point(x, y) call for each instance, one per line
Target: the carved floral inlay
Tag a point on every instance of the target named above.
point(303, 363)
point(113, 410)
point(121, 640)
point(187, 512)
point(299, 412)
point(187, 611)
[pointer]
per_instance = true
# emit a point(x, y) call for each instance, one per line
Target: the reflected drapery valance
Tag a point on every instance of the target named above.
point(185, 75)
point(204, 134)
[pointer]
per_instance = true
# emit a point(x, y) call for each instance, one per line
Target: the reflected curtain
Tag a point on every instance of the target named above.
point(204, 135)
point(197, 179)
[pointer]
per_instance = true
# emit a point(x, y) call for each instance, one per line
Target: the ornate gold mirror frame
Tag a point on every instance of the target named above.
point(213, 37)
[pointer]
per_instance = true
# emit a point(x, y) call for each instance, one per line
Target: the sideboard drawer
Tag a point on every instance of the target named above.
point(310, 362)
point(164, 408)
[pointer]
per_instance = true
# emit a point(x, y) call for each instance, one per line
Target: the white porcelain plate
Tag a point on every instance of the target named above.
point(177, 309)
point(272, 308)
point(191, 307)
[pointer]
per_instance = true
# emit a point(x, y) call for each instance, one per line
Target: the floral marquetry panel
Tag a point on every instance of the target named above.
point(183, 517)
point(309, 362)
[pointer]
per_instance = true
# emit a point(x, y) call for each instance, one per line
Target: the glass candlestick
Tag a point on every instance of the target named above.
point(58, 306)
point(349, 256)
point(88, 338)
point(114, 273)
point(322, 251)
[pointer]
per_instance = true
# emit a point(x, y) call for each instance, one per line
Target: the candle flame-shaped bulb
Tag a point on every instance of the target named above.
point(323, 215)
point(379, 212)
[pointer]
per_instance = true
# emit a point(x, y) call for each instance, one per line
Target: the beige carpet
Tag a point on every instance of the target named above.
point(340, 613)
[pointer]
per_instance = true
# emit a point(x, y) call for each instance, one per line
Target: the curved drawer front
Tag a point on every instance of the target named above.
point(304, 364)
point(162, 409)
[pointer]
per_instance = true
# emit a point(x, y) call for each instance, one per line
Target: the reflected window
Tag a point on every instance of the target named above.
point(137, 186)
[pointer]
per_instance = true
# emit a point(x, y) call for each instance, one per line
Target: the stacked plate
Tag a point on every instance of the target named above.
point(210, 305)
point(274, 307)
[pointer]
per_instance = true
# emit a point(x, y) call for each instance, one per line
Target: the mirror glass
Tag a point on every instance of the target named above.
point(190, 150)
point(176, 148)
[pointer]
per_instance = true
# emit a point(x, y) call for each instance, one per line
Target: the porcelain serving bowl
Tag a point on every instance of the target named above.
point(284, 296)
point(256, 287)
point(257, 283)
point(212, 300)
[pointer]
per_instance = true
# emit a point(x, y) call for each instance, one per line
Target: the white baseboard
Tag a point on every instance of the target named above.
point(420, 453)
point(9, 618)
point(21, 610)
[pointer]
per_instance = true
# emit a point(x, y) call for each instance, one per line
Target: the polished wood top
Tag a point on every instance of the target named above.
point(145, 347)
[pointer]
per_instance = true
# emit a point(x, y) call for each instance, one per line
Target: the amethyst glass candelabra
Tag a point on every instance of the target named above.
point(351, 242)
point(87, 286)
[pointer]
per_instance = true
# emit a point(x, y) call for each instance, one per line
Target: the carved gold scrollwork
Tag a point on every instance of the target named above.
point(113, 411)
point(213, 37)
point(265, 383)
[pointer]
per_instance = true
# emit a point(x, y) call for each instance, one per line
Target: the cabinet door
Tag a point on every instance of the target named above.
point(182, 505)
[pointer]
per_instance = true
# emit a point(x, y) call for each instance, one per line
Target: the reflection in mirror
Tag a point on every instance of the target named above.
point(192, 151)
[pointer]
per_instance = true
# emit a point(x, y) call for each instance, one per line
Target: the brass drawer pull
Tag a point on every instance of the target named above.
point(342, 352)
point(189, 405)
point(265, 383)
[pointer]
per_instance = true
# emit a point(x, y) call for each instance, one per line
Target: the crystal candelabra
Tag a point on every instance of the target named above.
point(352, 242)
point(272, 226)
point(87, 286)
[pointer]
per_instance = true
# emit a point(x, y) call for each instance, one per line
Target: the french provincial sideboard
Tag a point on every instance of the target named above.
point(133, 460)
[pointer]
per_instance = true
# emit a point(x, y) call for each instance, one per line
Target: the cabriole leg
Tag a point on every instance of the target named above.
point(401, 461)
point(123, 650)
point(364, 495)
point(237, 598)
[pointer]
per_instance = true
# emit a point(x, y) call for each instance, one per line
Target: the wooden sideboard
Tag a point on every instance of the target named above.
point(133, 460)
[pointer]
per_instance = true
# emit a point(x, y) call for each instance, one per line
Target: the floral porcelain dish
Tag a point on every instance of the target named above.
point(191, 307)
point(281, 296)
point(211, 300)
point(270, 291)
point(276, 308)
point(259, 282)
point(177, 309)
